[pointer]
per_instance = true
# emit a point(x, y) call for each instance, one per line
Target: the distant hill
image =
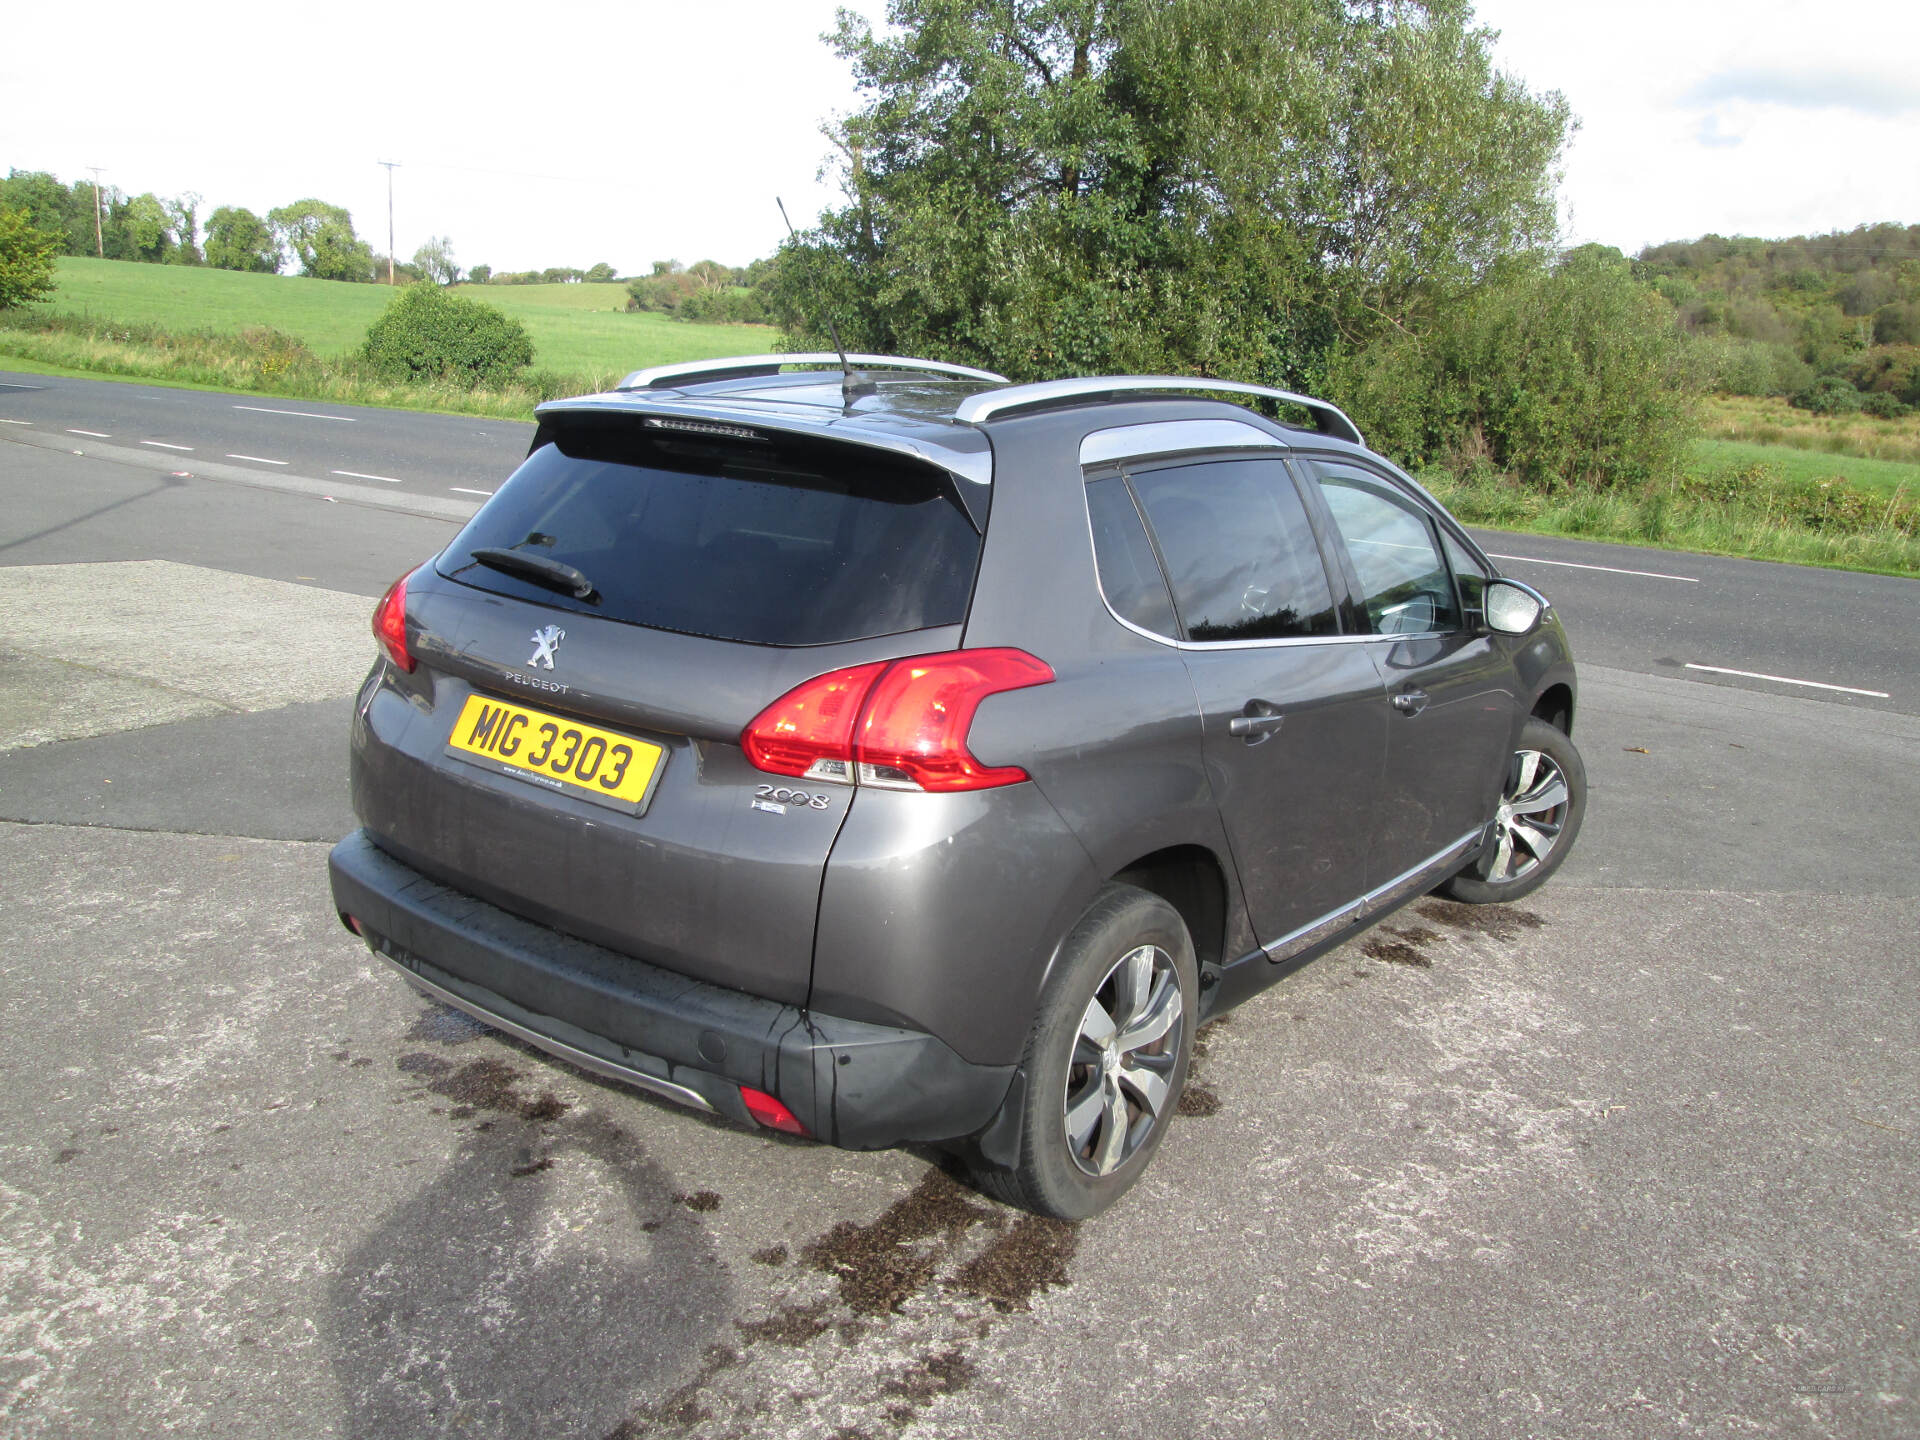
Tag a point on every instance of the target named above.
point(1832, 320)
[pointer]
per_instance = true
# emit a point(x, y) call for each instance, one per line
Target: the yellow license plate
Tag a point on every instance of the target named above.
point(562, 755)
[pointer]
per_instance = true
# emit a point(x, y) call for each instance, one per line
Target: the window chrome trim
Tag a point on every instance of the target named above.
point(1328, 417)
point(748, 367)
point(1382, 897)
point(1175, 643)
point(1172, 437)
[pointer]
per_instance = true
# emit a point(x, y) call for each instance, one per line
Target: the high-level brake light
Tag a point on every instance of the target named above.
point(899, 725)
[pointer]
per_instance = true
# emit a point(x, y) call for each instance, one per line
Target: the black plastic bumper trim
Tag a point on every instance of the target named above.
point(851, 1083)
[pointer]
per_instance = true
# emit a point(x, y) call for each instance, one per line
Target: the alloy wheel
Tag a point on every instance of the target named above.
point(1120, 1079)
point(1532, 813)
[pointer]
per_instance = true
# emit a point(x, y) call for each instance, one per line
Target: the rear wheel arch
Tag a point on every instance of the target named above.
point(1191, 879)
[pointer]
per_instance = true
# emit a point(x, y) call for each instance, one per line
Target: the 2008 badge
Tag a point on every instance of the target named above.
point(781, 795)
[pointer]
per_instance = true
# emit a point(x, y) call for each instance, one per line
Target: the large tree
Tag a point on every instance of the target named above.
point(1209, 186)
point(238, 239)
point(320, 236)
point(26, 259)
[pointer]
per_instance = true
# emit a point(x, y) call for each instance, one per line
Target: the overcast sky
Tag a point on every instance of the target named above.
point(573, 133)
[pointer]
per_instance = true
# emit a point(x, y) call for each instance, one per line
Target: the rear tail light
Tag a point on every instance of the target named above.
point(900, 725)
point(771, 1113)
point(390, 623)
point(809, 730)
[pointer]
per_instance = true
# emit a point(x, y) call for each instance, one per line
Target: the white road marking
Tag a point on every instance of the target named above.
point(1785, 680)
point(1610, 569)
point(4, 421)
point(356, 475)
point(257, 459)
point(463, 490)
point(165, 446)
point(303, 414)
point(96, 434)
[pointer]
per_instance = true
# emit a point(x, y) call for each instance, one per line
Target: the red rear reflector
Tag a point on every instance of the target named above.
point(770, 1112)
point(353, 924)
point(390, 623)
point(903, 723)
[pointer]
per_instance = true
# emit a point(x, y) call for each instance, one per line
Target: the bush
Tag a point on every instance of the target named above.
point(1892, 369)
point(1573, 376)
point(1829, 395)
point(26, 260)
point(1882, 406)
point(427, 334)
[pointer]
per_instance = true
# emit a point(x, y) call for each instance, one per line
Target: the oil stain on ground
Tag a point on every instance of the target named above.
point(485, 1084)
point(1500, 922)
point(1031, 1254)
point(881, 1263)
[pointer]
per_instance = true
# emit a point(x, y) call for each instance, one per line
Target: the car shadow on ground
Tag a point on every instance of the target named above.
point(548, 1276)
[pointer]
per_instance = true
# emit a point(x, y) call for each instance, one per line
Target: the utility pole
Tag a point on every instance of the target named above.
point(99, 241)
point(390, 164)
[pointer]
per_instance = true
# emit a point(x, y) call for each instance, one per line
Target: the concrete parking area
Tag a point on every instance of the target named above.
point(1636, 1157)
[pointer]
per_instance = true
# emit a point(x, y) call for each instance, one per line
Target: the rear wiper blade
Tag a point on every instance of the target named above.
point(554, 574)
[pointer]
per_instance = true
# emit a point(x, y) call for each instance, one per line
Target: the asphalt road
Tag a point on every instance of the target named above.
point(1635, 1158)
point(1747, 624)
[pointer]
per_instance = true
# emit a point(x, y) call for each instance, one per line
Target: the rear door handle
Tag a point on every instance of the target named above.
point(1256, 721)
point(1410, 702)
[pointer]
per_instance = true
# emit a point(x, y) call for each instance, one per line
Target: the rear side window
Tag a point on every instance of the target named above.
point(1129, 575)
point(770, 542)
point(1239, 552)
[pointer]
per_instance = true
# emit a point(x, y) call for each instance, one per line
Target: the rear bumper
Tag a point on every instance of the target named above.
point(851, 1083)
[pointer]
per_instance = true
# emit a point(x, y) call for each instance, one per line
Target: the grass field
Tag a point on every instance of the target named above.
point(1772, 421)
point(576, 329)
point(1797, 464)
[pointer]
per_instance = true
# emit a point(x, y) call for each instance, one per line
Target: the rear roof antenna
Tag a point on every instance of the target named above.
point(853, 383)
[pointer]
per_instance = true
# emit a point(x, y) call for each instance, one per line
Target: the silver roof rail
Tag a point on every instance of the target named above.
point(1329, 418)
point(746, 367)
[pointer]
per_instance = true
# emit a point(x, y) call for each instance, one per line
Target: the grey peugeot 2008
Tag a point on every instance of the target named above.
point(905, 755)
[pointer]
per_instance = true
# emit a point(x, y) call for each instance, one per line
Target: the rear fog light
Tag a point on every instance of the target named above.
point(771, 1113)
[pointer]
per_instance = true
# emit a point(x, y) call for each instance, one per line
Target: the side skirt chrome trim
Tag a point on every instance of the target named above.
point(1382, 897)
point(639, 1079)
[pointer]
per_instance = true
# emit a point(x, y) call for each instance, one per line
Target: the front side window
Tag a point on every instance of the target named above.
point(1239, 552)
point(1468, 573)
point(1406, 588)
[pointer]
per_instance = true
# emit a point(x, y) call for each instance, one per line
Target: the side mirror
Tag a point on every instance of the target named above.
point(1513, 608)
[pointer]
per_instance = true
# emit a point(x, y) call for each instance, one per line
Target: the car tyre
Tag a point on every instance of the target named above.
point(1107, 1057)
point(1537, 820)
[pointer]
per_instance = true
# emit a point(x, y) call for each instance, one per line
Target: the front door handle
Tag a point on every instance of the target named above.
point(1257, 720)
point(1410, 702)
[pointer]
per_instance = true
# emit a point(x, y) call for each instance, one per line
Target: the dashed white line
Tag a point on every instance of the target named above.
point(302, 414)
point(356, 475)
point(257, 459)
point(165, 446)
point(1785, 680)
point(96, 434)
point(463, 490)
point(5, 421)
point(1610, 569)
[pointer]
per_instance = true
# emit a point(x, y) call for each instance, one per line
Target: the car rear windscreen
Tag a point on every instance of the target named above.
point(774, 541)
